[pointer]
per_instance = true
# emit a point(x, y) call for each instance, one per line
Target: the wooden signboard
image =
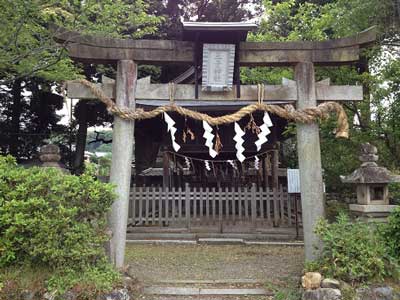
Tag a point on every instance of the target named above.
point(293, 179)
point(218, 66)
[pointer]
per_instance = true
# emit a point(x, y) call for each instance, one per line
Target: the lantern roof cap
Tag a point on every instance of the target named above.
point(369, 172)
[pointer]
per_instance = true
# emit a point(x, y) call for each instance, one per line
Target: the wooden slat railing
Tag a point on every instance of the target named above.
point(155, 206)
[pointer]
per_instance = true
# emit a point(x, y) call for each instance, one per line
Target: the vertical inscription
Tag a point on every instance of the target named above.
point(218, 66)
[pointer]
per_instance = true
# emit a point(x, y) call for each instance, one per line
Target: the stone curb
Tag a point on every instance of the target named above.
point(217, 242)
point(181, 291)
point(223, 281)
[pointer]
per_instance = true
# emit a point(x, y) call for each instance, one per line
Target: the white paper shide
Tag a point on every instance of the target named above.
point(262, 136)
point(238, 138)
point(209, 136)
point(172, 130)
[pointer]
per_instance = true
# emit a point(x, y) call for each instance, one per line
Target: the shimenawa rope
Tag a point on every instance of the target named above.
point(288, 112)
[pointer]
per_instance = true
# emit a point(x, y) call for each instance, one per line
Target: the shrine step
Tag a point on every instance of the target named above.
point(196, 291)
point(207, 297)
point(278, 237)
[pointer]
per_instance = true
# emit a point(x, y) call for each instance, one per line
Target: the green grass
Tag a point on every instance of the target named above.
point(86, 283)
point(285, 288)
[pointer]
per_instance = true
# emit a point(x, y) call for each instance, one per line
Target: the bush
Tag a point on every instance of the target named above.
point(334, 208)
point(53, 220)
point(391, 234)
point(353, 251)
point(394, 192)
point(85, 284)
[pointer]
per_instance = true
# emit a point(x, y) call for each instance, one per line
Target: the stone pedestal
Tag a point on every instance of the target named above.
point(370, 212)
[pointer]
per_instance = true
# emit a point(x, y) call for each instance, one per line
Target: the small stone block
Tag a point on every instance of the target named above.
point(330, 283)
point(379, 293)
point(176, 291)
point(383, 293)
point(243, 292)
point(311, 280)
point(27, 295)
point(322, 294)
point(121, 294)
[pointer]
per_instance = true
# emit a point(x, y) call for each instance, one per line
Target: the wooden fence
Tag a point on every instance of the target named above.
point(155, 206)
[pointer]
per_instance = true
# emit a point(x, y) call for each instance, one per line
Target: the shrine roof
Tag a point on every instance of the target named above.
point(217, 31)
point(218, 26)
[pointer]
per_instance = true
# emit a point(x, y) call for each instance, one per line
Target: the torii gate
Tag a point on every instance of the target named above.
point(304, 92)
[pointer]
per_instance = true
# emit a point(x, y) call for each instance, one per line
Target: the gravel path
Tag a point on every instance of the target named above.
point(273, 264)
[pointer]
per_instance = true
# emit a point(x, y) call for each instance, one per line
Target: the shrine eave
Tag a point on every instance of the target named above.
point(218, 26)
point(217, 32)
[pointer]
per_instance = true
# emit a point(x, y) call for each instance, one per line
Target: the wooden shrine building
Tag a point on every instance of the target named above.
point(225, 174)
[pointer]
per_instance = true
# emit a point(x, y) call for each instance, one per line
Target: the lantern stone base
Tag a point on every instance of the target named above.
point(372, 212)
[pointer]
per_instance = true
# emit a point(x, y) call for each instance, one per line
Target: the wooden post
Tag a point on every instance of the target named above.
point(275, 169)
point(253, 206)
point(275, 186)
point(309, 155)
point(121, 165)
point(187, 205)
point(165, 170)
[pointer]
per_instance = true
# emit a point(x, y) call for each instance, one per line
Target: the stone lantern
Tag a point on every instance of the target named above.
point(372, 182)
point(50, 157)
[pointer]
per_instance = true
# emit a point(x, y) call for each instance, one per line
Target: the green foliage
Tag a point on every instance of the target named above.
point(97, 278)
point(32, 63)
point(95, 141)
point(86, 283)
point(285, 289)
point(335, 208)
point(375, 118)
point(53, 224)
point(50, 218)
point(394, 193)
point(391, 234)
point(352, 251)
point(288, 294)
point(27, 42)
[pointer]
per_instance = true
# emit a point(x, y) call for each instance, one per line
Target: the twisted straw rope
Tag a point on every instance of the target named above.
point(288, 112)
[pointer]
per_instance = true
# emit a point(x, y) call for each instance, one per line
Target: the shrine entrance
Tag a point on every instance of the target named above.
point(190, 191)
point(215, 52)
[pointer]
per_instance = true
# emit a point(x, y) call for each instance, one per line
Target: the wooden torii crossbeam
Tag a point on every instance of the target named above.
point(153, 94)
point(304, 92)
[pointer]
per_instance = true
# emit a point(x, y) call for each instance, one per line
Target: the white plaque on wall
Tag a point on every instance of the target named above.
point(218, 67)
point(293, 178)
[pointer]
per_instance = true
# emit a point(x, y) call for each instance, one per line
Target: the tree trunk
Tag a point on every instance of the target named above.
point(81, 139)
point(366, 105)
point(15, 117)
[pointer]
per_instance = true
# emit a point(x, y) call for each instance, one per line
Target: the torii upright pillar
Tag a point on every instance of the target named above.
point(121, 164)
point(309, 155)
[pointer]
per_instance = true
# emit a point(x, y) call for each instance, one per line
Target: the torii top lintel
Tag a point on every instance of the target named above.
point(94, 49)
